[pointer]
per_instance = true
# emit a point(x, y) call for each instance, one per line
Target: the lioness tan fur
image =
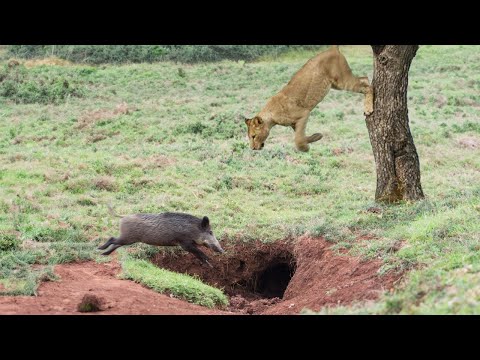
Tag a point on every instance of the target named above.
point(293, 104)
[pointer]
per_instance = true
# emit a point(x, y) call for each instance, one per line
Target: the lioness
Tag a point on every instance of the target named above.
point(293, 104)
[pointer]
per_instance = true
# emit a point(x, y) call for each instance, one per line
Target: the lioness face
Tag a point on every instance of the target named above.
point(257, 132)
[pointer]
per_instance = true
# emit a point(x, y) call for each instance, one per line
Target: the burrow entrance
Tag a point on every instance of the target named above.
point(273, 281)
point(283, 278)
point(247, 271)
point(270, 281)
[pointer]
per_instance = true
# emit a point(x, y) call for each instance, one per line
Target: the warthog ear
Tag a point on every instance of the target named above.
point(257, 121)
point(205, 223)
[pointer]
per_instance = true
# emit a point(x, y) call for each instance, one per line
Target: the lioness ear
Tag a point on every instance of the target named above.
point(257, 121)
point(247, 121)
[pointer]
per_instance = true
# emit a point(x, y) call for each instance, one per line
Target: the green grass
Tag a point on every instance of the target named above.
point(179, 285)
point(18, 276)
point(153, 138)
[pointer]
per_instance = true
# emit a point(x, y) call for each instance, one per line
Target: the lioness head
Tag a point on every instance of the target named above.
point(257, 132)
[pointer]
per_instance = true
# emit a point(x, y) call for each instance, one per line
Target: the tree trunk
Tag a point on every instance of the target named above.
point(396, 158)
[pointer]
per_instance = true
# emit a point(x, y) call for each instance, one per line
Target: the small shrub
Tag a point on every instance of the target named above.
point(106, 183)
point(466, 126)
point(8, 241)
point(193, 128)
point(25, 86)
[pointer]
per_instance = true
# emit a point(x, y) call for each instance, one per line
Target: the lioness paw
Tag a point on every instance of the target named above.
point(315, 137)
point(368, 109)
point(303, 147)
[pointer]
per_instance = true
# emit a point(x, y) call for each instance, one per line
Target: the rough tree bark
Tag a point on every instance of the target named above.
point(396, 158)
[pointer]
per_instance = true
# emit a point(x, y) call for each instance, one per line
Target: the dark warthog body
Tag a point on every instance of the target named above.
point(166, 229)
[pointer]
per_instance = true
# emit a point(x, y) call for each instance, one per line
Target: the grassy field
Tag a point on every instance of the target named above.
point(167, 137)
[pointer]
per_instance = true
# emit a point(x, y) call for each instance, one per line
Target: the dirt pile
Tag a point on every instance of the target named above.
point(117, 296)
point(279, 278)
point(284, 277)
point(323, 278)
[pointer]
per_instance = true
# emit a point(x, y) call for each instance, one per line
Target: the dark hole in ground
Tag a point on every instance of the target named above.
point(248, 272)
point(273, 281)
point(258, 277)
point(268, 278)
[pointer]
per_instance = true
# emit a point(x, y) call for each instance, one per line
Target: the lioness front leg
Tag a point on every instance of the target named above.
point(301, 140)
point(359, 85)
point(362, 85)
point(369, 101)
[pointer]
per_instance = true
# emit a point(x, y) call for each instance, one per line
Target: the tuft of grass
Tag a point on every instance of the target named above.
point(179, 285)
point(106, 183)
point(8, 241)
point(17, 275)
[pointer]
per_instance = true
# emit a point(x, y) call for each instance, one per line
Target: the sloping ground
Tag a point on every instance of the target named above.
point(117, 296)
point(325, 279)
point(255, 276)
point(252, 274)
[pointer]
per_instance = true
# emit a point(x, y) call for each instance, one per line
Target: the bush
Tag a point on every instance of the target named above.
point(210, 53)
point(27, 51)
point(25, 86)
point(225, 126)
point(8, 242)
point(98, 54)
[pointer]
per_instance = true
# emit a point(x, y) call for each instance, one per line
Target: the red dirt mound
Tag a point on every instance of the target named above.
point(323, 278)
point(118, 296)
point(283, 277)
point(318, 277)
